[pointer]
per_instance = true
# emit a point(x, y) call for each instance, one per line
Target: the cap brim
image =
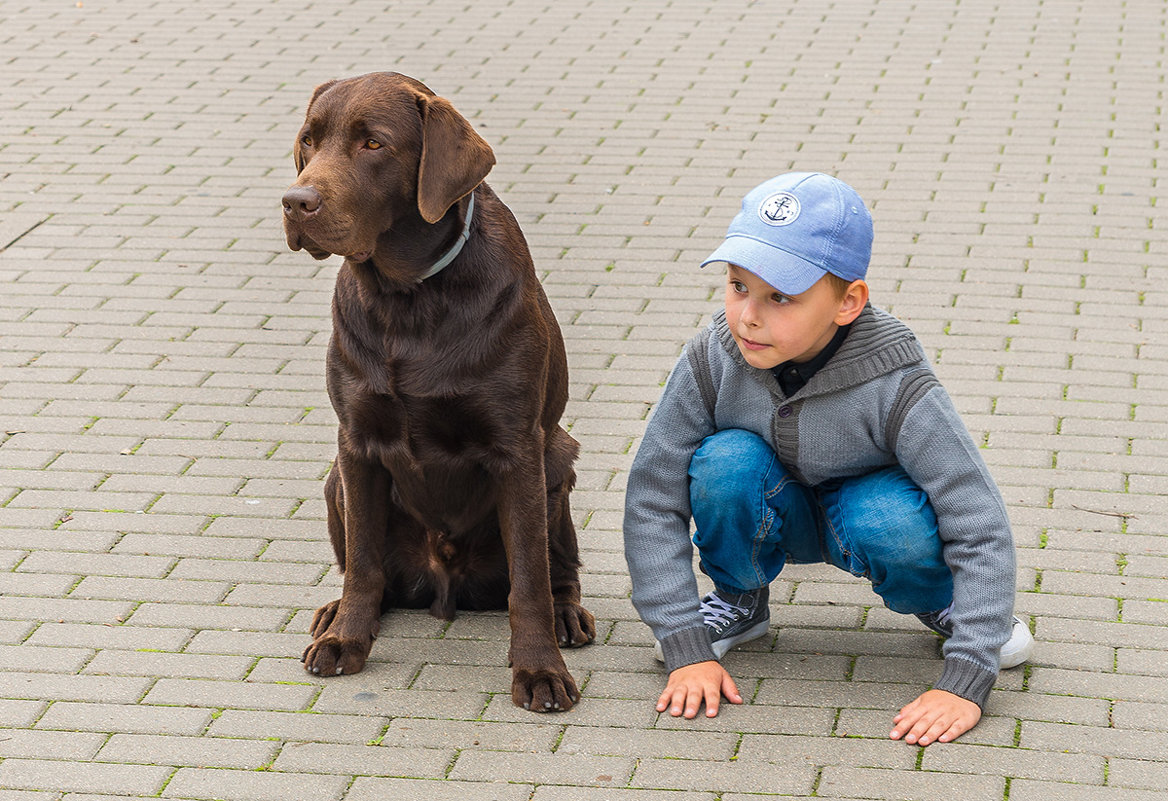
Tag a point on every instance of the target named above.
point(785, 271)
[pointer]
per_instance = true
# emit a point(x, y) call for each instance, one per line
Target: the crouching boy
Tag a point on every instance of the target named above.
point(805, 425)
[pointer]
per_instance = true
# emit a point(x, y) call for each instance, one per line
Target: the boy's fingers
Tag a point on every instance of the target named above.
point(712, 701)
point(903, 722)
point(935, 731)
point(692, 702)
point(672, 699)
point(955, 730)
point(943, 728)
point(920, 732)
point(730, 690)
point(912, 726)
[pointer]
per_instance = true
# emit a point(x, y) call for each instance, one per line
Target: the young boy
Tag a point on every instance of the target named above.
point(805, 425)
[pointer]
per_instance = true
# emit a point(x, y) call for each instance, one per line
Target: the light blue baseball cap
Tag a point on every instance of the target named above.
point(796, 227)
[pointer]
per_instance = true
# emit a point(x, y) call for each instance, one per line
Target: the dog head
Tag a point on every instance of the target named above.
point(376, 152)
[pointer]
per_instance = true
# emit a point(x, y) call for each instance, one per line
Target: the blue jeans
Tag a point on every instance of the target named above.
point(752, 518)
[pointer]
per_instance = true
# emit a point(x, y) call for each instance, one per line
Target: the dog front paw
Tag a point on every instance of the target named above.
point(332, 656)
point(338, 645)
point(547, 690)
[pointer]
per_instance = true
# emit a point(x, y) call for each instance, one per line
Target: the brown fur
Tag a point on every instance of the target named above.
point(451, 483)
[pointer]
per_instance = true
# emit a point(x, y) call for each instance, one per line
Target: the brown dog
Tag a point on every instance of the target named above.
point(447, 372)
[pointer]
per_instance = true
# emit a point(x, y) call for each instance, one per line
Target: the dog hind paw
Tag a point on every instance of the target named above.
point(575, 625)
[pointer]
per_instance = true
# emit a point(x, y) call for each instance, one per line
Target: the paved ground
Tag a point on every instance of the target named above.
point(164, 430)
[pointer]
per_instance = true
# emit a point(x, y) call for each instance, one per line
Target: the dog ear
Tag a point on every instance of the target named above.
point(455, 159)
point(297, 156)
point(318, 91)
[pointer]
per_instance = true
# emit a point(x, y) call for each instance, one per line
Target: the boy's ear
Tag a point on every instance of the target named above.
point(855, 299)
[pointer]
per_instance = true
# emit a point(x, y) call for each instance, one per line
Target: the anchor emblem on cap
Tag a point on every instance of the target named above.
point(779, 209)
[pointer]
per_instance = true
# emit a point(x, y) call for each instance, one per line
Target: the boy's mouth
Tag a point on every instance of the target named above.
point(750, 344)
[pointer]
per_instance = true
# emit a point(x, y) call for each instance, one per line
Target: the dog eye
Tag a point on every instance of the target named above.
point(306, 140)
point(372, 144)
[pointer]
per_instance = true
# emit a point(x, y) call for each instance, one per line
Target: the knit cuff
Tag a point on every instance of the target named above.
point(966, 679)
point(687, 647)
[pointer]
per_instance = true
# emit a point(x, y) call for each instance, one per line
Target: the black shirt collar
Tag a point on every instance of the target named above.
point(793, 376)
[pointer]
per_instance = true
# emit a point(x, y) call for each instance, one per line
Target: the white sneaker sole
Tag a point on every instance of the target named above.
point(1019, 648)
point(722, 646)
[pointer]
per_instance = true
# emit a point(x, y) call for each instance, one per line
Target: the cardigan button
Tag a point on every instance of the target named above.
point(785, 411)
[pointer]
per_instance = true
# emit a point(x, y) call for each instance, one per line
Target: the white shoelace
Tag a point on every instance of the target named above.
point(943, 616)
point(719, 614)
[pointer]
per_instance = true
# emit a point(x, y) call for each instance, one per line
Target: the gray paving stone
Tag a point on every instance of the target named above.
point(210, 783)
point(128, 718)
point(53, 774)
point(67, 687)
point(235, 618)
point(354, 698)
point(660, 744)
point(413, 733)
point(20, 714)
point(153, 749)
point(221, 694)
point(28, 795)
point(1046, 765)
point(99, 564)
point(110, 636)
point(36, 744)
point(350, 729)
point(879, 783)
point(241, 570)
point(578, 769)
point(372, 789)
point(156, 590)
point(164, 665)
point(1128, 743)
point(421, 763)
point(1032, 790)
point(550, 793)
point(723, 777)
point(33, 658)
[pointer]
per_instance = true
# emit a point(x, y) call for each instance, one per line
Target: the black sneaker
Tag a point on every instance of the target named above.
point(732, 619)
point(1017, 650)
point(939, 621)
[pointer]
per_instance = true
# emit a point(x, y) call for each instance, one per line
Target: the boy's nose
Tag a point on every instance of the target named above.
point(749, 314)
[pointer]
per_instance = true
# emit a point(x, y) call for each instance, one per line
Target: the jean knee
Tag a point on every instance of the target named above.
point(913, 545)
point(725, 463)
point(890, 520)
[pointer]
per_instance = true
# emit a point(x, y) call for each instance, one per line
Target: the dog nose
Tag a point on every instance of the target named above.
point(301, 202)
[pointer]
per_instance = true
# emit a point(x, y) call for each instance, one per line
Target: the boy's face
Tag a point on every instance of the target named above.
point(771, 328)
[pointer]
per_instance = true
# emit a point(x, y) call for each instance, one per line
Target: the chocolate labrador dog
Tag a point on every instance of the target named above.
point(447, 372)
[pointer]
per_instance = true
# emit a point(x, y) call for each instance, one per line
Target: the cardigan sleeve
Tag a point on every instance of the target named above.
point(657, 541)
point(935, 449)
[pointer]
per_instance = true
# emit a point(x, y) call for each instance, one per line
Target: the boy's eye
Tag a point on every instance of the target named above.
point(777, 298)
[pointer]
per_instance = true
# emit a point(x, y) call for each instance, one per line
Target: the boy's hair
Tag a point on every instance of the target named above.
point(838, 285)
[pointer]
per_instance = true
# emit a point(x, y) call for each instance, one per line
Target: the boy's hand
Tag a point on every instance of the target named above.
point(690, 685)
point(936, 715)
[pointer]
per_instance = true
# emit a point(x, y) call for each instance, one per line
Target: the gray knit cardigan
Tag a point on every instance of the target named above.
point(877, 402)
